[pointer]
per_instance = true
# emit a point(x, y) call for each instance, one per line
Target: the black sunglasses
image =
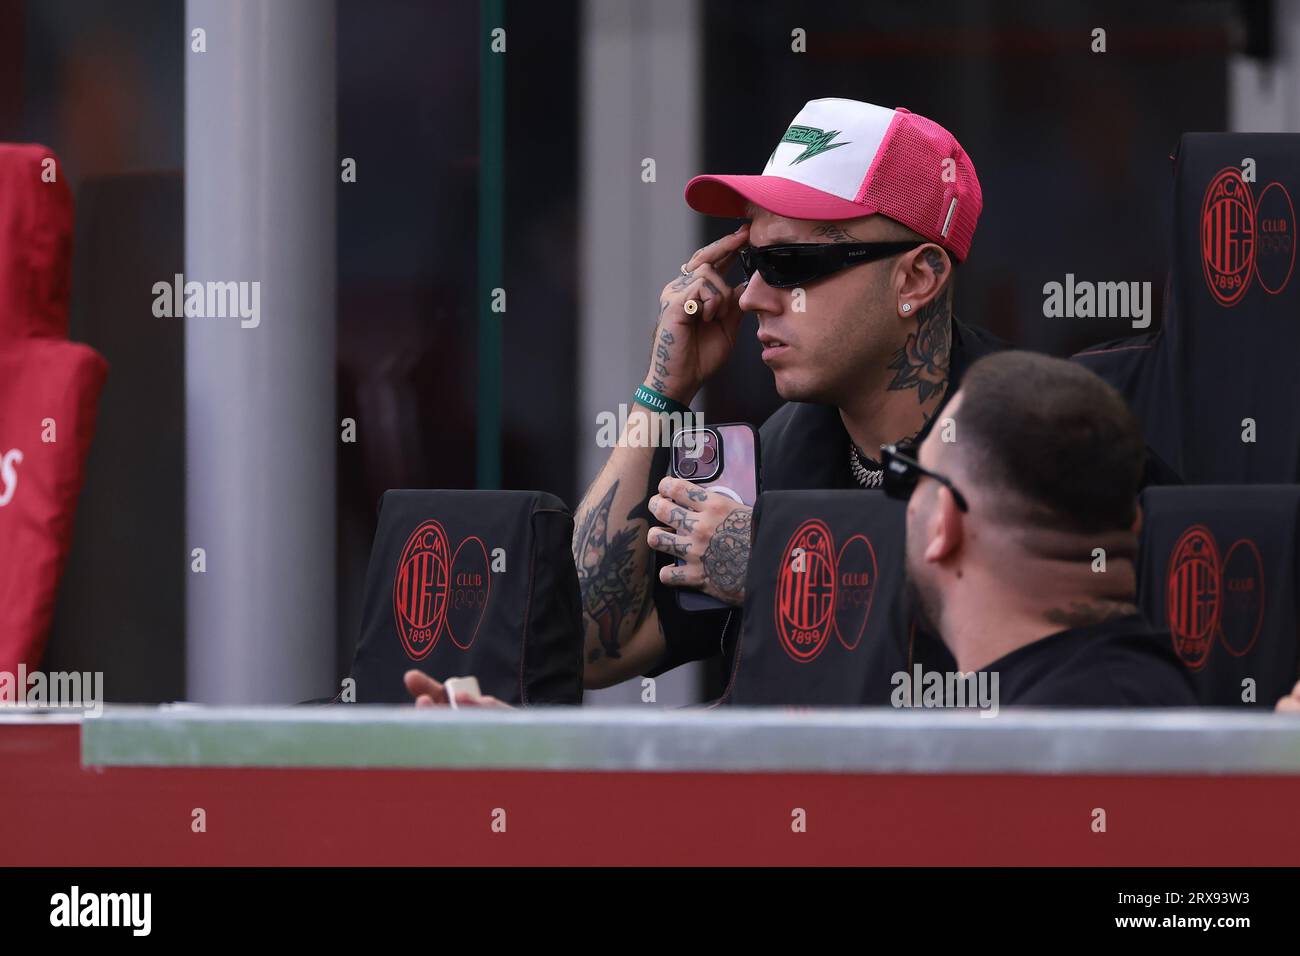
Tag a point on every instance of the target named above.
point(902, 472)
point(800, 263)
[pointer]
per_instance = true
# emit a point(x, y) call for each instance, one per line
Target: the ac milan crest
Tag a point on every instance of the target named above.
point(805, 595)
point(421, 588)
point(1228, 236)
point(1194, 595)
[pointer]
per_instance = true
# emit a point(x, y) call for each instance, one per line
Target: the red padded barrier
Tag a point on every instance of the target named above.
point(49, 390)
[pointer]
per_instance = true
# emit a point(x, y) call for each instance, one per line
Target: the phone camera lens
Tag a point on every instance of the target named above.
point(687, 467)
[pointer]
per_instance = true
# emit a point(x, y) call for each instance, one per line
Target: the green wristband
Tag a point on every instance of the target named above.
point(659, 403)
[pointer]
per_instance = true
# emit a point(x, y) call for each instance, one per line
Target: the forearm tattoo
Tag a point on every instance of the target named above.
point(922, 362)
point(727, 556)
point(662, 340)
point(614, 594)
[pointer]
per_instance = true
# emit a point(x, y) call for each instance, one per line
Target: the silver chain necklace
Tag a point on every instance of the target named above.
point(864, 476)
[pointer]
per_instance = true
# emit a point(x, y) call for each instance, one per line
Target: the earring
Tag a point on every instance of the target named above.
point(907, 307)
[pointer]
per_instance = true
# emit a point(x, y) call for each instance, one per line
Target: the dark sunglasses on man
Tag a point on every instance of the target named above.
point(902, 472)
point(785, 266)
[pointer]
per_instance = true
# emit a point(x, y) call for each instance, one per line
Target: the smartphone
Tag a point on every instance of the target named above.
point(723, 459)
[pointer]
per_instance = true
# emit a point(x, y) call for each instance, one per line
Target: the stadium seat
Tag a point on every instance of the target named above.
point(1214, 388)
point(1217, 567)
point(475, 583)
point(49, 390)
point(824, 623)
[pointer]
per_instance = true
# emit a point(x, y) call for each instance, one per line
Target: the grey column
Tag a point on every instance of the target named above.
point(1265, 97)
point(640, 97)
point(261, 170)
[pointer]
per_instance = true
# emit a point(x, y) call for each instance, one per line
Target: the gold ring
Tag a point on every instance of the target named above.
point(691, 306)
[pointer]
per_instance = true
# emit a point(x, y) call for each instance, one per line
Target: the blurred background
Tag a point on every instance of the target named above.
point(522, 170)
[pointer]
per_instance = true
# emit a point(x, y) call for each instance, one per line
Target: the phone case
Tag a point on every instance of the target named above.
point(737, 476)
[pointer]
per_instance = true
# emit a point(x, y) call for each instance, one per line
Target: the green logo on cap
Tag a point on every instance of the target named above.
point(815, 140)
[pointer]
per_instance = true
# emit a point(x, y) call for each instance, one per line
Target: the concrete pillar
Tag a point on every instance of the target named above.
point(261, 171)
point(640, 98)
point(1265, 97)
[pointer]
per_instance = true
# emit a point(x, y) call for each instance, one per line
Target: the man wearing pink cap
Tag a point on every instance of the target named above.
point(856, 225)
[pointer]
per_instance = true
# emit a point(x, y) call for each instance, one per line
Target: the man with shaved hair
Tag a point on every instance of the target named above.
point(1022, 524)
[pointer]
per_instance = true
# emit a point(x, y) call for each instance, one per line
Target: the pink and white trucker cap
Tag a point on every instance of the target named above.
point(841, 159)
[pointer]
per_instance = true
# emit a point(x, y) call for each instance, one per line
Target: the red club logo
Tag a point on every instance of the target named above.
point(1194, 595)
point(1228, 236)
point(855, 578)
point(420, 589)
point(471, 583)
point(1275, 241)
point(1243, 598)
point(805, 592)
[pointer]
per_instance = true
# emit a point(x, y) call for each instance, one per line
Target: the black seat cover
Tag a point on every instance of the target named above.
point(1228, 348)
point(1217, 568)
point(475, 583)
point(822, 602)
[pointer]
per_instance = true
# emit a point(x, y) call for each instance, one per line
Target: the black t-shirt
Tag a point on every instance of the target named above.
point(805, 446)
point(1117, 663)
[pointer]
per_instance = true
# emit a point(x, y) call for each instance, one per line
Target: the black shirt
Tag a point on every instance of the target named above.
point(801, 446)
point(1117, 663)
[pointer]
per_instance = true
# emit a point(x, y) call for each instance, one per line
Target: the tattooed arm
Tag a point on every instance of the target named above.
point(622, 633)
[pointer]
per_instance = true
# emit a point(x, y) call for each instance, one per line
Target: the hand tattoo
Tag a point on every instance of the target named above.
point(681, 518)
point(681, 282)
point(669, 545)
point(727, 557)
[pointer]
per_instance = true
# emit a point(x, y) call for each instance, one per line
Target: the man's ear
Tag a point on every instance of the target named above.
point(1137, 519)
point(945, 530)
point(922, 274)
